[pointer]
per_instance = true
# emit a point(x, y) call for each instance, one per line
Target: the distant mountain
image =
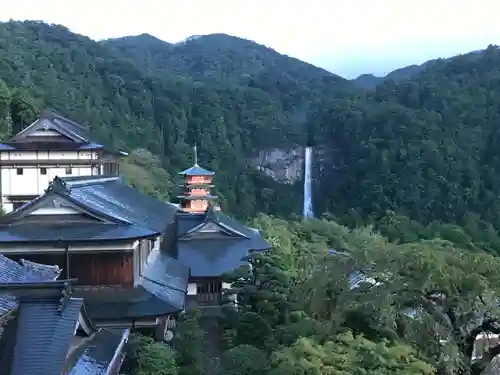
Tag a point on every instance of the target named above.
point(235, 98)
point(369, 81)
point(423, 142)
point(216, 57)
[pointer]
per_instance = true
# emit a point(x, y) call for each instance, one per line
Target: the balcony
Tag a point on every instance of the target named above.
point(208, 298)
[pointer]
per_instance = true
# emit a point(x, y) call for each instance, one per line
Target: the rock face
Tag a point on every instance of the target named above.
point(285, 166)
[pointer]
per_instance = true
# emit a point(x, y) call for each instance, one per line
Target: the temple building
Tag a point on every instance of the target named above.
point(51, 146)
point(39, 326)
point(209, 242)
point(109, 237)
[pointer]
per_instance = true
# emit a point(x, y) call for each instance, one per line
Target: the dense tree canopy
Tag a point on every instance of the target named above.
point(409, 167)
point(371, 305)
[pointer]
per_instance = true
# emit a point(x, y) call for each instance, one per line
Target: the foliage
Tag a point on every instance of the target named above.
point(244, 360)
point(153, 358)
point(348, 355)
point(422, 301)
point(233, 101)
point(143, 171)
point(421, 144)
point(189, 344)
point(410, 168)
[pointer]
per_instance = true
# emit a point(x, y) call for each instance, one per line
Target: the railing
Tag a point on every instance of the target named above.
point(208, 299)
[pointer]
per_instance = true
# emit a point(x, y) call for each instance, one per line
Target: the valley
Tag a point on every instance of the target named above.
point(405, 179)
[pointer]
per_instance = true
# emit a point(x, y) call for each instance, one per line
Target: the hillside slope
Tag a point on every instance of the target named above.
point(427, 147)
point(133, 104)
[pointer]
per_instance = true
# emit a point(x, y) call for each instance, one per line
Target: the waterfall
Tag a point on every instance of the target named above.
point(308, 209)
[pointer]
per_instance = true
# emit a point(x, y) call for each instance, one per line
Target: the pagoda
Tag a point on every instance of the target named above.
point(197, 185)
point(207, 241)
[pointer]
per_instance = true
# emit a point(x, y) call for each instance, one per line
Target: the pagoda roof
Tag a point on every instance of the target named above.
point(196, 170)
point(197, 197)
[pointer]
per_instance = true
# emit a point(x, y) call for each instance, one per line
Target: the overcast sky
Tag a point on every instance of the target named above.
point(347, 37)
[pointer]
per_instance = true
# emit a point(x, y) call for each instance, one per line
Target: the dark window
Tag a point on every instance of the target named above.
point(43, 171)
point(69, 170)
point(19, 171)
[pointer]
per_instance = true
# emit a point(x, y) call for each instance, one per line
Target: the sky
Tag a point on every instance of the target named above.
point(346, 37)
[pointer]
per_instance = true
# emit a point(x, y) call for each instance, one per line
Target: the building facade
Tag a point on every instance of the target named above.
point(108, 237)
point(53, 146)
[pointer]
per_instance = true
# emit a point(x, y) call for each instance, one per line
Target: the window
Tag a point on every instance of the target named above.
point(19, 171)
point(43, 171)
point(69, 170)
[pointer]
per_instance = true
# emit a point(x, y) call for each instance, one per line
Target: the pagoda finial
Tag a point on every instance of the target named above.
point(195, 151)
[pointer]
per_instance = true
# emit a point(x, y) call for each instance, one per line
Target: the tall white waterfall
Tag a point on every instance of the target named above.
point(308, 207)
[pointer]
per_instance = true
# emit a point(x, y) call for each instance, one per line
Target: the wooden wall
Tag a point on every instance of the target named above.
point(106, 268)
point(110, 268)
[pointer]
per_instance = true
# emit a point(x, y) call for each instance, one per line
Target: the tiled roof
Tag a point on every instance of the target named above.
point(211, 255)
point(105, 305)
point(126, 213)
point(43, 336)
point(34, 232)
point(166, 278)
point(113, 198)
point(49, 146)
point(95, 356)
point(78, 134)
point(41, 329)
point(54, 121)
point(196, 170)
point(13, 272)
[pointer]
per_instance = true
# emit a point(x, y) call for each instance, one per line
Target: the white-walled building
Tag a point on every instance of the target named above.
point(52, 146)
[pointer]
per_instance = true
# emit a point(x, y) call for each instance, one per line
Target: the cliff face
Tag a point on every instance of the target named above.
point(283, 165)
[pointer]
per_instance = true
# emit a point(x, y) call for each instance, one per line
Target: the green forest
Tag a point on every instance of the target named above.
point(407, 183)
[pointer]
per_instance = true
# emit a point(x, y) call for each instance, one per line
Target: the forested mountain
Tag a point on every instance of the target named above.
point(424, 148)
point(166, 112)
point(417, 157)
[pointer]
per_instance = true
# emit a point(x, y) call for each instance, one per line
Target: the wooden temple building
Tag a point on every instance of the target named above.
point(208, 241)
point(109, 237)
point(127, 261)
point(39, 326)
point(51, 146)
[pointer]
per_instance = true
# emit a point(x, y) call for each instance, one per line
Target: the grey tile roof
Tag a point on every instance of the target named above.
point(196, 170)
point(166, 278)
point(13, 272)
point(42, 271)
point(106, 305)
point(38, 336)
point(211, 255)
point(53, 121)
point(43, 336)
point(112, 197)
point(95, 355)
point(34, 232)
point(78, 135)
point(126, 213)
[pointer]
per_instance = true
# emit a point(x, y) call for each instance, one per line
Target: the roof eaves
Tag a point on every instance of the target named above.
point(196, 170)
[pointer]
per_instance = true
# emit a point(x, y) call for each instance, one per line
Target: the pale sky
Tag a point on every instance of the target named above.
point(347, 37)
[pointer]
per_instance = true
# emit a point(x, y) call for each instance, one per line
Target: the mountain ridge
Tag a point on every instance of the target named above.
point(423, 147)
